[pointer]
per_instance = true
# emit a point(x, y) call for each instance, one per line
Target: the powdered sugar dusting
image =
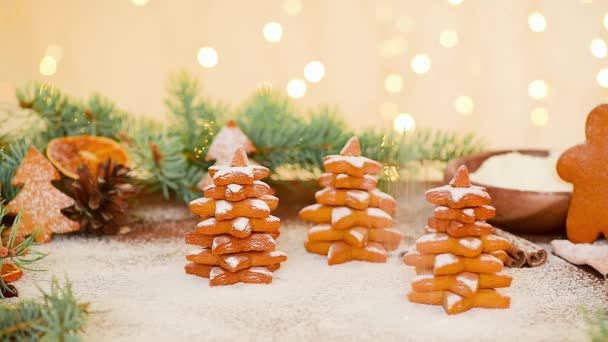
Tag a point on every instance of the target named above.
point(436, 237)
point(445, 259)
point(261, 270)
point(470, 280)
point(339, 213)
point(222, 207)
point(355, 161)
point(259, 204)
point(470, 243)
point(241, 224)
point(234, 188)
point(376, 212)
point(358, 195)
point(233, 261)
point(451, 299)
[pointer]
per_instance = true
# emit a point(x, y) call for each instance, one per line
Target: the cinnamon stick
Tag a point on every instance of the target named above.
point(522, 251)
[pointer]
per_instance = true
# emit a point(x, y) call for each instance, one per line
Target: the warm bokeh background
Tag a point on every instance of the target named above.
point(125, 49)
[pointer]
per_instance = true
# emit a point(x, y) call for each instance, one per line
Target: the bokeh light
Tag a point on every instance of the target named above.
point(296, 88)
point(538, 89)
point(139, 2)
point(273, 32)
point(404, 123)
point(448, 38)
point(389, 110)
point(292, 7)
point(598, 48)
point(207, 57)
point(455, 2)
point(314, 71)
point(602, 78)
point(464, 105)
point(606, 21)
point(393, 83)
point(421, 64)
point(537, 22)
point(540, 117)
point(48, 66)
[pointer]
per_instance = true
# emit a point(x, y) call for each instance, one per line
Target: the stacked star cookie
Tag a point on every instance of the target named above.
point(237, 233)
point(458, 262)
point(352, 216)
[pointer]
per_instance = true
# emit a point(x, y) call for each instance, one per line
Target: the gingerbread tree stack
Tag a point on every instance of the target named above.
point(458, 261)
point(352, 216)
point(237, 233)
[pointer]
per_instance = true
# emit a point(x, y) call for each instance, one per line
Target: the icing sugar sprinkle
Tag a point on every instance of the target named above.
point(222, 207)
point(241, 224)
point(233, 261)
point(259, 204)
point(470, 243)
point(470, 280)
point(436, 237)
point(452, 299)
point(339, 213)
point(261, 270)
point(376, 212)
point(234, 188)
point(445, 259)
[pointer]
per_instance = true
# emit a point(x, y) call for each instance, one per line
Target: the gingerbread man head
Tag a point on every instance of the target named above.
point(586, 167)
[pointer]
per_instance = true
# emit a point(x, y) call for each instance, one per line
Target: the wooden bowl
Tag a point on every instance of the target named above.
point(531, 212)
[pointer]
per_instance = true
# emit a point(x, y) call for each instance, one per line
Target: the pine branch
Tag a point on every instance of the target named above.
point(161, 165)
point(14, 249)
point(10, 159)
point(195, 118)
point(59, 316)
point(597, 324)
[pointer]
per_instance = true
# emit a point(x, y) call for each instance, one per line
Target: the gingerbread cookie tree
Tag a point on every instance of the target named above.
point(39, 202)
point(237, 233)
point(458, 261)
point(584, 166)
point(353, 217)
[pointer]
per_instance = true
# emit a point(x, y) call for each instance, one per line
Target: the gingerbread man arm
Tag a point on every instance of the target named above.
point(568, 164)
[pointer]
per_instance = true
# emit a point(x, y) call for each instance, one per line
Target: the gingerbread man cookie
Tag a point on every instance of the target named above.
point(585, 166)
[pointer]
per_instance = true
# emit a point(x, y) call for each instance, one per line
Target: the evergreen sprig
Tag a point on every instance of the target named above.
point(58, 316)
point(171, 159)
point(195, 119)
point(19, 252)
point(597, 324)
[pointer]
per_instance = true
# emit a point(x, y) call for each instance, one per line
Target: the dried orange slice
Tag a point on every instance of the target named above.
point(10, 272)
point(68, 153)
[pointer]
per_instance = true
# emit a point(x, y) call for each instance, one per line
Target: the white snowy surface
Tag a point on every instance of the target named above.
point(140, 292)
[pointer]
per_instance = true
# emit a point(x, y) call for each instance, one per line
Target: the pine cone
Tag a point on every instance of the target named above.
point(101, 201)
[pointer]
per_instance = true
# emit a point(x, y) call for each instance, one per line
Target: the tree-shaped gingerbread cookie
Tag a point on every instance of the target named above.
point(586, 167)
point(39, 202)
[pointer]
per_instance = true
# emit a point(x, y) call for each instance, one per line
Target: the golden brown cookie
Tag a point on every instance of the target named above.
point(465, 215)
point(239, 172)
point(455, 304)
point(39, 202)
point(344, 181)
point(357, 236)
point(465, 284)
point(318, 247)
point(437, 243)
point(240, 227)
point(238, 192)
point(356, 199)
point(584, 166)
point(341, 252)
point(224, 244)
point(219, 276)
point(345, 217)
point(457, 229)
point(236, 261)
point(226, 210)
point(448, 263)
point(351, 162)
point(460, 193)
